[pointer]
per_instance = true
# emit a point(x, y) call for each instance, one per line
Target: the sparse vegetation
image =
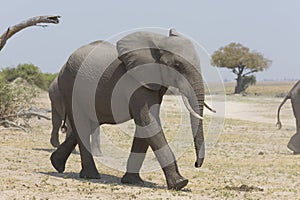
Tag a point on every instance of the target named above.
point(241, 62)
point(266, 89)
point(18, 89)
point(249, 161)
point(15, 97)
point(30, 73)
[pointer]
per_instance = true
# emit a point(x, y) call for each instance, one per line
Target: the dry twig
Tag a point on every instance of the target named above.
point(7, 122)
point(28, 113)
point(11, 123)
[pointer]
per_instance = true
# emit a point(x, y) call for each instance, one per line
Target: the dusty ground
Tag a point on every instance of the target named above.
point(249, 161)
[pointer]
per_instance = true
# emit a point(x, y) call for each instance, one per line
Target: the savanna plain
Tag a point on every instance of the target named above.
point(247, 158)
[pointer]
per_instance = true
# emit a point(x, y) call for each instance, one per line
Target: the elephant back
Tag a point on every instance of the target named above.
point(79, 78)
point(90, 60)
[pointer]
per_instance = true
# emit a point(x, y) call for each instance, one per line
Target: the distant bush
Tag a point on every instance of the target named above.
point(15, 96)
point(47, 79)
point(30, 73)
point(18, 89)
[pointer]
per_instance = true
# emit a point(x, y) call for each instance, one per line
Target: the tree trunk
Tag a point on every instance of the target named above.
point(239, 85)
point(239, 80)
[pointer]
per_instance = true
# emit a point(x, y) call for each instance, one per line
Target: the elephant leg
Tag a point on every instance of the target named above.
point(95, 138)
point(89, 170)
point(149, 132)
point(56, 123)
point(167, 161)
point(69, 132)
point(294, 143)
point(135, 161)
point(82, 133)
point(60, 156)
point(69, 129)
point(138, 154)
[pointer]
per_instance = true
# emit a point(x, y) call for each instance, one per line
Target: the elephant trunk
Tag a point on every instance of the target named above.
point(195, 96)
point(197, 104)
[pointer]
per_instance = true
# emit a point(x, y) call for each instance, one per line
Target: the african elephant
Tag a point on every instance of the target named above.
point(106, 84)
point(58, 115)
point(294, 95)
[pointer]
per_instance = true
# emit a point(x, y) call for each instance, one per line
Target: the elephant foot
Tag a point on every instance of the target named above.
point(177, 184)
point(294, 143)
point(89, 174)
point(132, 178)
point(54, 142)
point(57, 163)
point(296, 153)
point(174, 180)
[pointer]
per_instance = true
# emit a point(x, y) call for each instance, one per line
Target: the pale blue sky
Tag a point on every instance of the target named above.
point(271, 27)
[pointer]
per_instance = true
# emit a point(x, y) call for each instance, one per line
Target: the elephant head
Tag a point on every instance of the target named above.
point(174, 62)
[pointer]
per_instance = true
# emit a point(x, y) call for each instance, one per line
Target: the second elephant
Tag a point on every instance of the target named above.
point(59, 114)
point(294, 95)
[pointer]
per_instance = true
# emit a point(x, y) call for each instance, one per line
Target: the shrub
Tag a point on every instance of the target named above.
point(30, 73)
point(47, 79)
point(247, 81)
point(16, 97)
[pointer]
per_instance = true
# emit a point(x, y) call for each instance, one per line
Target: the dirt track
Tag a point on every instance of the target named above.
point(250, 161)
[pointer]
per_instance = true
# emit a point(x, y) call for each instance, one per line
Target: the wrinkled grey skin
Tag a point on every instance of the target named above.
point(58, 115)
point(86, 64)
point(294, 95)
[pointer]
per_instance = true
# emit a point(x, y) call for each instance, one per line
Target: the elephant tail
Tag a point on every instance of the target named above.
point(63, 128)
point(288, 96)
point(278, 124)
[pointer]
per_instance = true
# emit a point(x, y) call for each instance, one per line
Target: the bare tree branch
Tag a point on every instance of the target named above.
point(235, 71)
point(7, 121)
point(34, 21)
point(11, 123)
point(28, 113)
point(250, 72)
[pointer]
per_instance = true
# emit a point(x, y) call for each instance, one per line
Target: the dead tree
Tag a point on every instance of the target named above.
point(34, 21)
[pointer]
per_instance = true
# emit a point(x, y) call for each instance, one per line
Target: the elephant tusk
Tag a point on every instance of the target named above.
point(209, 108)
point(190, 109)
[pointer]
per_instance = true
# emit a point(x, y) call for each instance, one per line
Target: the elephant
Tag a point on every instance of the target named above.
point(294, 95)
point(103, 83)
point(58, 115)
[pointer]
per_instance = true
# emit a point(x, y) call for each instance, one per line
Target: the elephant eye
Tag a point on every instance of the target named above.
point(178, 64)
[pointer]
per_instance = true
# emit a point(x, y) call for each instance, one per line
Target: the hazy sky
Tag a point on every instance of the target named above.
point(271, 27)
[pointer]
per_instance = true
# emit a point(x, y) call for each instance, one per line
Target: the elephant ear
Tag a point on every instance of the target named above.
point(141, 49)
point(178, 44)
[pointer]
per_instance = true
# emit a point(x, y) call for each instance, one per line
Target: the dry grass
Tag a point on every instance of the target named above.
point(249, 161)
point(264, 88)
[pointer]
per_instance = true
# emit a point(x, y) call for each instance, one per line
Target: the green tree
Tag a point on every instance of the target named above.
point(242, 62)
